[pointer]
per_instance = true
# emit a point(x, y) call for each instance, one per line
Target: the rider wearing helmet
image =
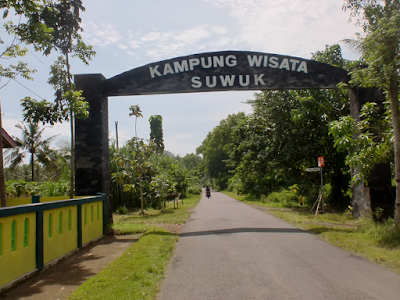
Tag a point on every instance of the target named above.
point(208, 191)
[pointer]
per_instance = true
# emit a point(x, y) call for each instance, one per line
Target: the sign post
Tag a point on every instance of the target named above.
point(321, 163)
point(316, 169)
point(320, 199)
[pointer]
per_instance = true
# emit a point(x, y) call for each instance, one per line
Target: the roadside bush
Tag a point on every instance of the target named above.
point(194, 190)
point(235, 184)
point(287, 198)
point(15, 188)
point(50, 189)
point(383, 231)
point(19, 188)
point(121, 210)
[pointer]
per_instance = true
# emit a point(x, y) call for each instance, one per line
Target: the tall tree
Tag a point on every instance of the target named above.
point(283, 136)
point(286, 133)
point(380, 49)
point(156, 133)
point(27, 30)
point(216, 149)
point(64, 18)
point(31, 144)
point(136, 111)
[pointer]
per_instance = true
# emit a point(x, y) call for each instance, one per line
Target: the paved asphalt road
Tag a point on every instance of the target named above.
point(229, 250)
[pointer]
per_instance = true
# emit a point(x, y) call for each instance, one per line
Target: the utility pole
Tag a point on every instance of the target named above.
point(116, 132)
point(322, 193)
point(2, 181)
point(321, 164)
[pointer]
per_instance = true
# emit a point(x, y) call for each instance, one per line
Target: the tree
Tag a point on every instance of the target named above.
point(135, 111)
point(29, 32)
point(368, 142)
point(191, 161)
point(216, 149)
point(156, 132)
point(380, 49)
point(133, 171)
point(31, 143)
point(64, 18)
point(285, 134)
point(55, 164)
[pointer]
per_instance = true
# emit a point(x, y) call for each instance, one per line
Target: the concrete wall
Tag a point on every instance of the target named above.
point(36, 234)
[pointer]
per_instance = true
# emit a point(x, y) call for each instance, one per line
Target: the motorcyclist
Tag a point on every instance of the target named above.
point(208, 191)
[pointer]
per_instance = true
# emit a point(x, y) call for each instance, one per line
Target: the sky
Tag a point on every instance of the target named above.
point(127, 34)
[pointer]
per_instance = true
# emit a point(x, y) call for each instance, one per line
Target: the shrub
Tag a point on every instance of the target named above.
point(287, 198)
point(194, 190)
point(121, 210)
point(20, 188)
point(383, 232)
point(235, 184)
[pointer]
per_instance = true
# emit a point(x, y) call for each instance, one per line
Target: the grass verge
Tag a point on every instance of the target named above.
point(125, 223)
point(137, 274)
point(377, 242)
point(263, 201)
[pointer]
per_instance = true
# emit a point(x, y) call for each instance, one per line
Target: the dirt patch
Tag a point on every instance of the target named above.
point(264, 208)
point(173, 228)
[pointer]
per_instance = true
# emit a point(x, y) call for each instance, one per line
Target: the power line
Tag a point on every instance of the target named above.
point(127, 124)
point(182, 140)
point(164, 135)
point(29, 89)
point(38, 59)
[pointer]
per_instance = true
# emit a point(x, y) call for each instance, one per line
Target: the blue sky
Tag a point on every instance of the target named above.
point(129, 34)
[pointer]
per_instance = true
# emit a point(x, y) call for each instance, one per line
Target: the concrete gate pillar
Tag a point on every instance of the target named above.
point(92, 167)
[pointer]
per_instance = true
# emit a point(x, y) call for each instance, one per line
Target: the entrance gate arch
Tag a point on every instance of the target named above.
point(204, 72)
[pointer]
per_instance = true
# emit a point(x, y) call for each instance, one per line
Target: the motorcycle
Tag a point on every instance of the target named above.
point(208, 194)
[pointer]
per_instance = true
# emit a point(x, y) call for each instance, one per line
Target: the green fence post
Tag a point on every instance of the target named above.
point(79, 226)
point(39, 240)
point(36, 199)
point(103, 199)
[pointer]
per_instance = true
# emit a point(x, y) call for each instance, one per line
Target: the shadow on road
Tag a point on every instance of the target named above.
point(242, 230)
point(113, 239)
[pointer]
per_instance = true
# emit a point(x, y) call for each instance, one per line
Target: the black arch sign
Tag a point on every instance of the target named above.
point(205, 72)
point(225, 71)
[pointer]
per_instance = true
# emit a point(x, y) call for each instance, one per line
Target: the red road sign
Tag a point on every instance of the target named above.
point(321, 161)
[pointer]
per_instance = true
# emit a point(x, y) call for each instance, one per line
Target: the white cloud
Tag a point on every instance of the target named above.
point(165, 44)
point(289, 27)
point(192, 35)
point(133, 54)
point(219, 30)
point(155, 37)
point(122, 47)
point(94, 41)
point(102, 35)
point(277, 26)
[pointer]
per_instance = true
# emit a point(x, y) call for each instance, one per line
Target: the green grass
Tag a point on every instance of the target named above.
point(263, 201)
point(134, 275)
point(137, 274)
point(378, 242)
point(169, 216)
